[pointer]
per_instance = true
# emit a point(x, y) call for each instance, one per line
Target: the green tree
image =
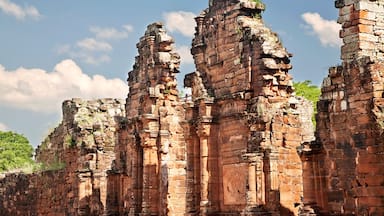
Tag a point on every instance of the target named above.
point(309, 91)
point(15, 151)
point(257, 1)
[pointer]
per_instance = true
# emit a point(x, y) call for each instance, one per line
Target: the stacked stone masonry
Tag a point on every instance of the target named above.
point(342, 170)
point(84, 143)
point(244, 121)
point(241, 144)
point(362, 28)
point(152, 155)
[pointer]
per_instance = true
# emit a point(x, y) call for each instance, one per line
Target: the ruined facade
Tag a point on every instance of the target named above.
point(244, 122)
point(241, 144)
point(343, 172)
point(84, 144)
point(152, 153)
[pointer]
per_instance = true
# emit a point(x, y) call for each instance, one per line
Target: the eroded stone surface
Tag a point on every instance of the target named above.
point(152, 149)
point(83, 147)
point(231, 148)
point(341, 169)
point(362, 28)
point(245, 120)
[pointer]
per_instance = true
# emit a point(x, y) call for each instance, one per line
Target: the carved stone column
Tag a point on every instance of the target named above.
point(203, 132)
point(163, 171)
point(149, 185)
point(260, 179)
point(252, 190)
point(150, 165)
point(272, 172)
point(314, 185)
point(256, 183)
point(273, 158)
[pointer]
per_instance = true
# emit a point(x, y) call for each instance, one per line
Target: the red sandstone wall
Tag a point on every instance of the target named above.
point(248, 122)
point(343, 169)
point(152, 150)
point(350, 131)
point(82, 148)
point(229, 151)
point(35, 194)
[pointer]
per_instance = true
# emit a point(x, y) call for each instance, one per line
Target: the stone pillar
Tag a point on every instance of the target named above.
point(260, 179)
point(251, 193)
point(150, 167)
point(256, 185)
point(193, 153)
point(204, 175)
point(309, 187)
point(204, 133)
point(274, 157)
point(150, 191)
point(84, 192)
point(271, 161)
point(163, 171)
point(200, 22)
point(314, 187)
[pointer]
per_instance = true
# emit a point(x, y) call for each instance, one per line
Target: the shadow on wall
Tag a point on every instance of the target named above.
point(124, 191)
point(17, 184)
point(284, 211)
point(91, 205)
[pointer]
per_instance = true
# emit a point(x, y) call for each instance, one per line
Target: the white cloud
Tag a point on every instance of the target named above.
point(111, 33)
point(63, 49)
point(94, 60)
point(3, 127)
point(17, 11)
point(128, 28)
point(41, 91)
point(180, 21)
point(94, 50)
point(185, 54)
point(326, 30)
point(92, 44)
point(84, 55)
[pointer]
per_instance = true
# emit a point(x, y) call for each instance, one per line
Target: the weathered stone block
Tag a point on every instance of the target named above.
point(234, 184)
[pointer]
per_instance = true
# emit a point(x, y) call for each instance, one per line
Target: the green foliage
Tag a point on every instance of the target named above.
point(310, 92)
point(257, 1)
point(261, 6)
point(70, 141)
point(16, 155)
point(15, 151)
point(307, 90)
point(256, 16)
point(57, 165)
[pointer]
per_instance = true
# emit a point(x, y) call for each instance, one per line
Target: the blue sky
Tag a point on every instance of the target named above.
point(55, 50)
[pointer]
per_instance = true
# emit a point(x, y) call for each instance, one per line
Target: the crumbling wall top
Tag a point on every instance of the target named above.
point(256, 5)
point(362, 31)
point(154, 71)
point(235, 52)
point(86, 124)
point(86, 114)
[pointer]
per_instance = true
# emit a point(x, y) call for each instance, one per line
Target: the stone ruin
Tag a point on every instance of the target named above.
point(85, 142)
point(244, 121)
point(342, 169)
point(241, 144)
